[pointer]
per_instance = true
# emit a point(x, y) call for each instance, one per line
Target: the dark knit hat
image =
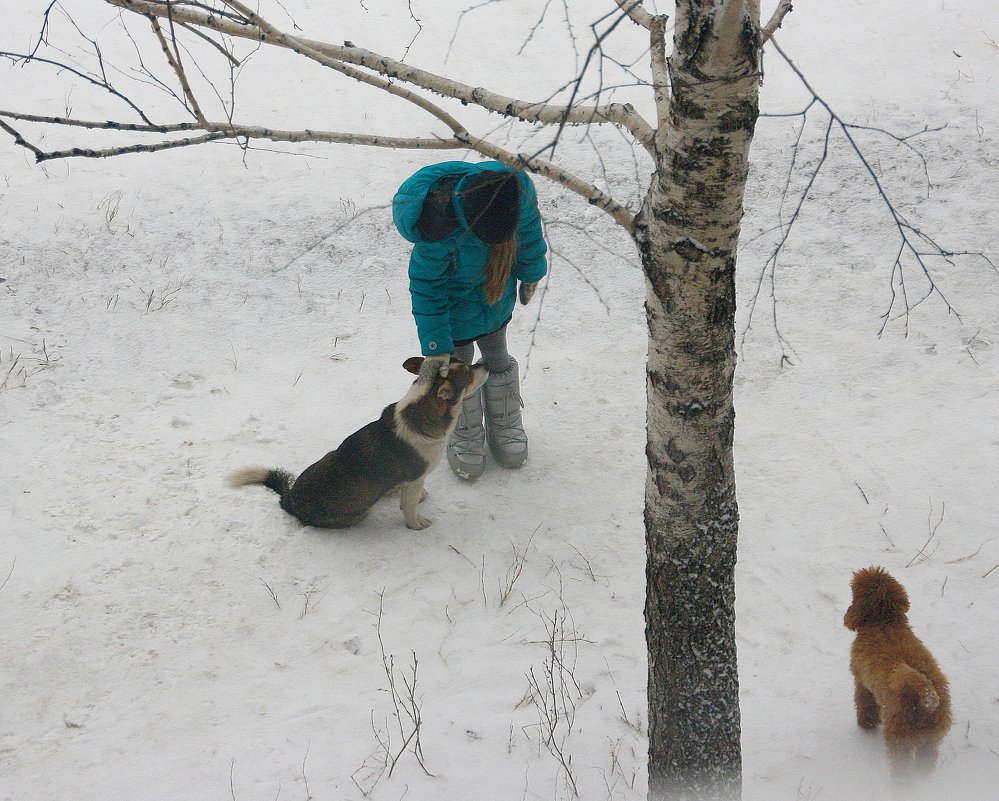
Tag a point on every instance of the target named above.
point(490, 203)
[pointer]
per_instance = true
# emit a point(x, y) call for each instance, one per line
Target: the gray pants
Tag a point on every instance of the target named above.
point(495, 355)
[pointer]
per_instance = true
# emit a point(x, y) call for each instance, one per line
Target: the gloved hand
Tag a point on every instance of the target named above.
point(525, 292)
point(438, 363)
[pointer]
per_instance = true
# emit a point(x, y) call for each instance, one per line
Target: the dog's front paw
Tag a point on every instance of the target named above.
point(418, 522)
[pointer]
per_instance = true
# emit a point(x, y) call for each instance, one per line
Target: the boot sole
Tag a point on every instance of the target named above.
point(466, 472)
point(510, 462)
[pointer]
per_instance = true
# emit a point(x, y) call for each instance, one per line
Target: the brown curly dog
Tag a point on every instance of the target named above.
point(898, 682)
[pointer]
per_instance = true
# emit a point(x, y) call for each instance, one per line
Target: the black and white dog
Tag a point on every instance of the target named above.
point(399, 449)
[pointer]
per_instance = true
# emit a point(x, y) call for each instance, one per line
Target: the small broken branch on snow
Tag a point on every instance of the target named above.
point(555, 692)
point(9, 574)
point(921, 554)
point(515, 568)
point(407, 712)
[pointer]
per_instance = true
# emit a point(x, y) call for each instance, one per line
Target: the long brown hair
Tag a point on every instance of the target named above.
point(498, 268)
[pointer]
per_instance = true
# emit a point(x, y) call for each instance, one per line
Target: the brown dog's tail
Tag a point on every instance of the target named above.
point(919, 700)
point(278, 480)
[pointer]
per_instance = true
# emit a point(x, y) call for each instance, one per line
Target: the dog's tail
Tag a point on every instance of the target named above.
point(920, 701)
point(278, 480)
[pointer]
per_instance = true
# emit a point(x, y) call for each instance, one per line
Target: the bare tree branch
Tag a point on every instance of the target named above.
point(43, 33)
point(419, 30)
point(19, 140)
point(594, 196)
point(113, 151)
point(173, 58)
point(101, 82)
point(218, 131)
point(660, 74)
point(214, 131)
point(915, 245)
point(576, 84)
point(180, 12)
point(537, 25)
point(106, 124)
point(249, 27)
point(767, 31)
point(583, 231)
point(312, 50)
point(202, 35)
point(234, 18)
point(904, 141)
point(634, 11)
point(770, 268)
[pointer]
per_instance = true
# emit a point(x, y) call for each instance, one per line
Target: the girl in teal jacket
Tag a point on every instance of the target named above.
point(476, 232)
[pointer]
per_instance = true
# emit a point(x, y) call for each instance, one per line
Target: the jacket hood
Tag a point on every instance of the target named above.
point(408, 201)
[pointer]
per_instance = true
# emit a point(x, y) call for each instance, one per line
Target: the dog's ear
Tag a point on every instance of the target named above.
point(413, 364)
point(878, 599)
point(852, 618)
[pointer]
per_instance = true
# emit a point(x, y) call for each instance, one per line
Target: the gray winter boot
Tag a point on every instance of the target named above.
point(504, 426)
point(466, 448)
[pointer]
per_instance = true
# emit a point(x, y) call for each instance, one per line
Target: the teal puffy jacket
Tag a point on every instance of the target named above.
point(447, 278)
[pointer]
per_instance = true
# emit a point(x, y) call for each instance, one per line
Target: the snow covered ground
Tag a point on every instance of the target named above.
point(167, 318)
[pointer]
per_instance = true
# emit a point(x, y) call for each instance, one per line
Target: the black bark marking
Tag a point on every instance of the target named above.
point(740, 118)
point(690, 42)
point(681, 107)
point(687, 250)
point(672, 217)
point(722, 310)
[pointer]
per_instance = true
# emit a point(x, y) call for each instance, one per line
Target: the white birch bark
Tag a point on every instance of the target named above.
point(688, 232)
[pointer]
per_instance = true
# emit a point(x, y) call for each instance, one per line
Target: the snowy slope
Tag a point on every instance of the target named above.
point(166, 318)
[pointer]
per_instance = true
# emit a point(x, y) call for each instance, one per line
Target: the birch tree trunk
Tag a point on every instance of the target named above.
point(688, 231)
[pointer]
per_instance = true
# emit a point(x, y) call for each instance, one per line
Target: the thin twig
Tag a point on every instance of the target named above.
point(9, 574)
point(933, 532)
